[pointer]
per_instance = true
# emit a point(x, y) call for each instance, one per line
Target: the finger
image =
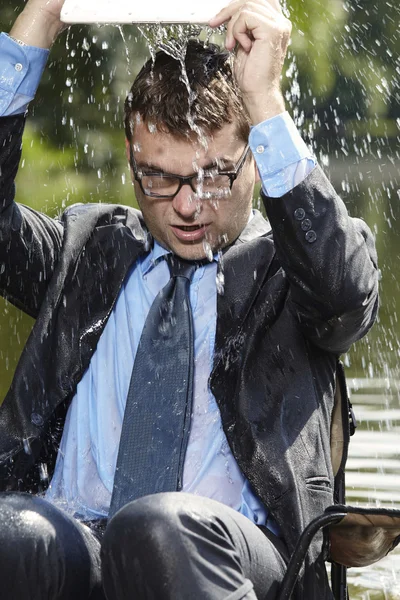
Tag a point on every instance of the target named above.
point(266, 11)
point(239, 36)
point(260, 26)
point(247, 22)
point(276, 5)
point(258, 13)
point(226, 13)
point(245, 41)
point(230, 41)
point(241, 30)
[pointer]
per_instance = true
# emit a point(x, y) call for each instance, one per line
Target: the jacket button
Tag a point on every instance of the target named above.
point(37, 419)
point(299, 214)
point(311, 236)
point(306, 224)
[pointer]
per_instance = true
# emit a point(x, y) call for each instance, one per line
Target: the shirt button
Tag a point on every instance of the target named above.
point(311, 236)
point(18, 67)
point(306, 224)
point(299, 214)
point(260, 149)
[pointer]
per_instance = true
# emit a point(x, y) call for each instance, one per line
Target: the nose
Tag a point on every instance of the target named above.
point(186, 203)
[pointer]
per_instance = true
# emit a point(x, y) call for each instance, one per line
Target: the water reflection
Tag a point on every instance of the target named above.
point(373, 475)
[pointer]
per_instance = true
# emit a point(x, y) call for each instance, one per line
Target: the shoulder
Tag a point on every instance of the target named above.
point(101, 214)
point(87, 218)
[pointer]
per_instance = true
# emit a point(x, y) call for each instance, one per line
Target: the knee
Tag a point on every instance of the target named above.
point(28, 546)
point(142, 548)
point(36, 537)
point(148, 524)
point(24, 519)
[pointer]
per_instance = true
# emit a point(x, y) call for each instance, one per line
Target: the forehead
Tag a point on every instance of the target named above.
point(152, 146)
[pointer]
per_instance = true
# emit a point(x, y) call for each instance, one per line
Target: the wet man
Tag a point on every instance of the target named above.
point(178, 384)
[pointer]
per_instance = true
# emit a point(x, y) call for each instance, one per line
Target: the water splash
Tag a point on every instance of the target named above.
point(208, 250)
point(173, 40)
point(128, 58)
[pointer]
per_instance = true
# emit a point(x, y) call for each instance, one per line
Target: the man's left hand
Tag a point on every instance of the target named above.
point(262, 34)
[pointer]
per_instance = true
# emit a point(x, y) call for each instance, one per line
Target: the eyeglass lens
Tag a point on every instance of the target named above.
point(204, 186)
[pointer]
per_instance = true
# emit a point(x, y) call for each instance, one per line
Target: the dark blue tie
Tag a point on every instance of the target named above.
point(156, 423)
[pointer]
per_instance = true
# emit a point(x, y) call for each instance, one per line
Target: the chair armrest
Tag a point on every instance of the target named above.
point(364, 535)
point(358, 537)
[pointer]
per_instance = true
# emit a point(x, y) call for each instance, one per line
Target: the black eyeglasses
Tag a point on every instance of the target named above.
point(208, 184)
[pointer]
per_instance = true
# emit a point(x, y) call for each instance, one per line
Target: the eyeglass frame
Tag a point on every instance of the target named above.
point(184, 180)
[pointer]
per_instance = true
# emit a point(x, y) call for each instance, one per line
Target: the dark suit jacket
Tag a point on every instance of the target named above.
point(293, 301)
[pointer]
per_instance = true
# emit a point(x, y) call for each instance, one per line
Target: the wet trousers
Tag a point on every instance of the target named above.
point(171, 546)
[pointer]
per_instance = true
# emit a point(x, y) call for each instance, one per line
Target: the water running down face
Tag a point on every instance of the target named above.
point(187, 224)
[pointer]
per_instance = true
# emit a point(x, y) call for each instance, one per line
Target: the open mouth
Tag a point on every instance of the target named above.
point(189, 227)
point(190, 233)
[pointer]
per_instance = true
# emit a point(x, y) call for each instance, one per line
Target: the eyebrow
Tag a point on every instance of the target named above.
point(228, 164)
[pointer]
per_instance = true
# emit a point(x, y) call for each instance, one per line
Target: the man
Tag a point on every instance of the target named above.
point(270, 316)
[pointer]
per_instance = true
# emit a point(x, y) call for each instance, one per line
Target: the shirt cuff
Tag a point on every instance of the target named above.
point(21, 68)
point(282, 157)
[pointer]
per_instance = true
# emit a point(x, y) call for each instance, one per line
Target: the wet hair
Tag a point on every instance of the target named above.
point(160, 94)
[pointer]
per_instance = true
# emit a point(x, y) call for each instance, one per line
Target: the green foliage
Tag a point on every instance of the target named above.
point(55, 175)
point(348, 68)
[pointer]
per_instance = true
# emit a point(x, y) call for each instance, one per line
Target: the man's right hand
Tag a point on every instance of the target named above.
point(39, 23)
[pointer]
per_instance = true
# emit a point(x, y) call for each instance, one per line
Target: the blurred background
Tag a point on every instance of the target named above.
point(342, 87)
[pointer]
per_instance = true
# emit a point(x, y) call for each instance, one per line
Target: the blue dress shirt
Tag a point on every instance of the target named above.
point(21, 68)
point(83, 478)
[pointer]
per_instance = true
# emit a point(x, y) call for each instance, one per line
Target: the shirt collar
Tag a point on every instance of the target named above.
point(153, 257)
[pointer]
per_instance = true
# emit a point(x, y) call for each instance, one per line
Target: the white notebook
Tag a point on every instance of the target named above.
point(132, 11)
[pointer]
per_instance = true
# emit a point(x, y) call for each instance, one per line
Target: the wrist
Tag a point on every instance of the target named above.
point(36, 28)
point(261, 107)
point(21, 43)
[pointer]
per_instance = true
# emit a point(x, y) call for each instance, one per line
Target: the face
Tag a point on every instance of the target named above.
point(188, 225)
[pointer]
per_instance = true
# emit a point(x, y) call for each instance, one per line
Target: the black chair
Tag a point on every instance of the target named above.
point(358, 537)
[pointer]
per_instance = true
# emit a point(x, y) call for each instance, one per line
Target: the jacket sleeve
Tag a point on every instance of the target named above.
point(330, 261)
point(30, 242)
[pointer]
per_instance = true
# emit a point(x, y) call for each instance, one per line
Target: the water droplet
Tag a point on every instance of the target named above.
point(207, 250)
point(220, 281)
point(27, 446)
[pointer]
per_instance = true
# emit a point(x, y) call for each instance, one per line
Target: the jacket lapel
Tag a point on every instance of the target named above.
point(242, 269)
point(112, 251)
point(89, 292)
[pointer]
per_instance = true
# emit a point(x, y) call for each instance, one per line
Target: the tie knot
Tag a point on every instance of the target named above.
point(179, 267)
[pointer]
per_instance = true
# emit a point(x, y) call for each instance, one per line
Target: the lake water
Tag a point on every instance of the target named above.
point(370, 190)
point(373, 474)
